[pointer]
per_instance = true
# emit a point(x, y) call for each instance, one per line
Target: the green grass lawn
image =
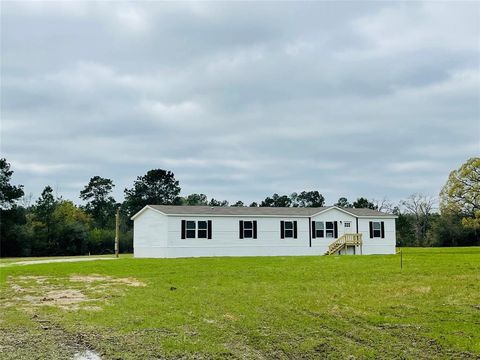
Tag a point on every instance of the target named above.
point(252, 308)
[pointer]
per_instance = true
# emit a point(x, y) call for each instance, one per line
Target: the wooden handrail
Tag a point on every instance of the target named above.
point(344, 240)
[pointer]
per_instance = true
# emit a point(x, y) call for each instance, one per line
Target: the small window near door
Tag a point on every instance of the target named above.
point(377, 229)
point(329, 229)
point(348, 224)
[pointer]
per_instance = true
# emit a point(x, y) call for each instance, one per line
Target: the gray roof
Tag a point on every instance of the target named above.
point(253, 211)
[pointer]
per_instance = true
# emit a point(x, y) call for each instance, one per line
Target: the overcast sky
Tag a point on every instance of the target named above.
point(241, 100)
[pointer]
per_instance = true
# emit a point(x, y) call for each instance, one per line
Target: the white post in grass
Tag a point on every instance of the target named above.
point(117, 231)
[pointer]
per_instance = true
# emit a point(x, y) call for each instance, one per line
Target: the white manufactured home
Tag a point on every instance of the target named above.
point(167, 231)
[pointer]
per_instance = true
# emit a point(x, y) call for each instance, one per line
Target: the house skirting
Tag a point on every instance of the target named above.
point(212, 251)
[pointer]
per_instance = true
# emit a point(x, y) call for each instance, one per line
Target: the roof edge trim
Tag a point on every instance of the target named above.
point(144, 209)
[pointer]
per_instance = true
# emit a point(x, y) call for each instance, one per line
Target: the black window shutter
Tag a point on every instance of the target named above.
point(240, 230)
point(335, 229)
point(183, 229)
point(314, 231)
point(255, 229)
point(371, 230)
point(282, 227)
point(383, 230)
point(294, 229)
point(209, 229)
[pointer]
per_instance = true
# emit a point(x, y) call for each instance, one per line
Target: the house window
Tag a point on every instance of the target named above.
point(377, 229)
point(347, 224)
point(202, 229)
point(329, 229)
point(248, 229)
point(319, 229)
point(190, 230)
point(288, 229)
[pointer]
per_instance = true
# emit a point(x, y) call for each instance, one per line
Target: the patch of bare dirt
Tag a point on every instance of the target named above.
point(86, 355)
point(422, 289)
point(61, 298)
point(412, 290)
point(37, 279)
point(17, 288)
point(106, 279)
point(230, 317)
point(73, 293)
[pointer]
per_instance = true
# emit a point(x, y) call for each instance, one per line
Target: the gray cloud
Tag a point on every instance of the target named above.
point(241, 100)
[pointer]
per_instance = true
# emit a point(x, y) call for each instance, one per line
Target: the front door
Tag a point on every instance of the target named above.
point(347, 227)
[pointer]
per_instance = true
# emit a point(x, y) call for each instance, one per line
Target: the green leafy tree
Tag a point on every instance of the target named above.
point(405, 231)
point(461, 193)
point(238, 204)
point(277, 201)
point(9, 193)
point(472, 223)
point(363, 203)
point(15, 240)
point(100, 205)
point(343, 203)
point(253, 204)
point(12, 216)
point(214, 202)
point(58, 227)
point(268, 202)
point(41, 223)
point(449, 231)
point(71, 230)
point(307, 199)
point(195, 200)
point(156, 187)
point(282, 201)
point(45, 205)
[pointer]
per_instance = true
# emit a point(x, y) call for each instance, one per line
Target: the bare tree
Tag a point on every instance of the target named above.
point(26, 200)
point(421, 207)
point(384, 205)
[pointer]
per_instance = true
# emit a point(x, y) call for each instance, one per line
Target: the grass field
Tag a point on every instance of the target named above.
point(259, 308)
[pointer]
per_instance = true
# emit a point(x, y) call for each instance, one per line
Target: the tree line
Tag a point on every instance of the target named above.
point(56, 226)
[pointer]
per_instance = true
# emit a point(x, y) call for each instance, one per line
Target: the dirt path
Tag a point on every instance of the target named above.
point(34, 262)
